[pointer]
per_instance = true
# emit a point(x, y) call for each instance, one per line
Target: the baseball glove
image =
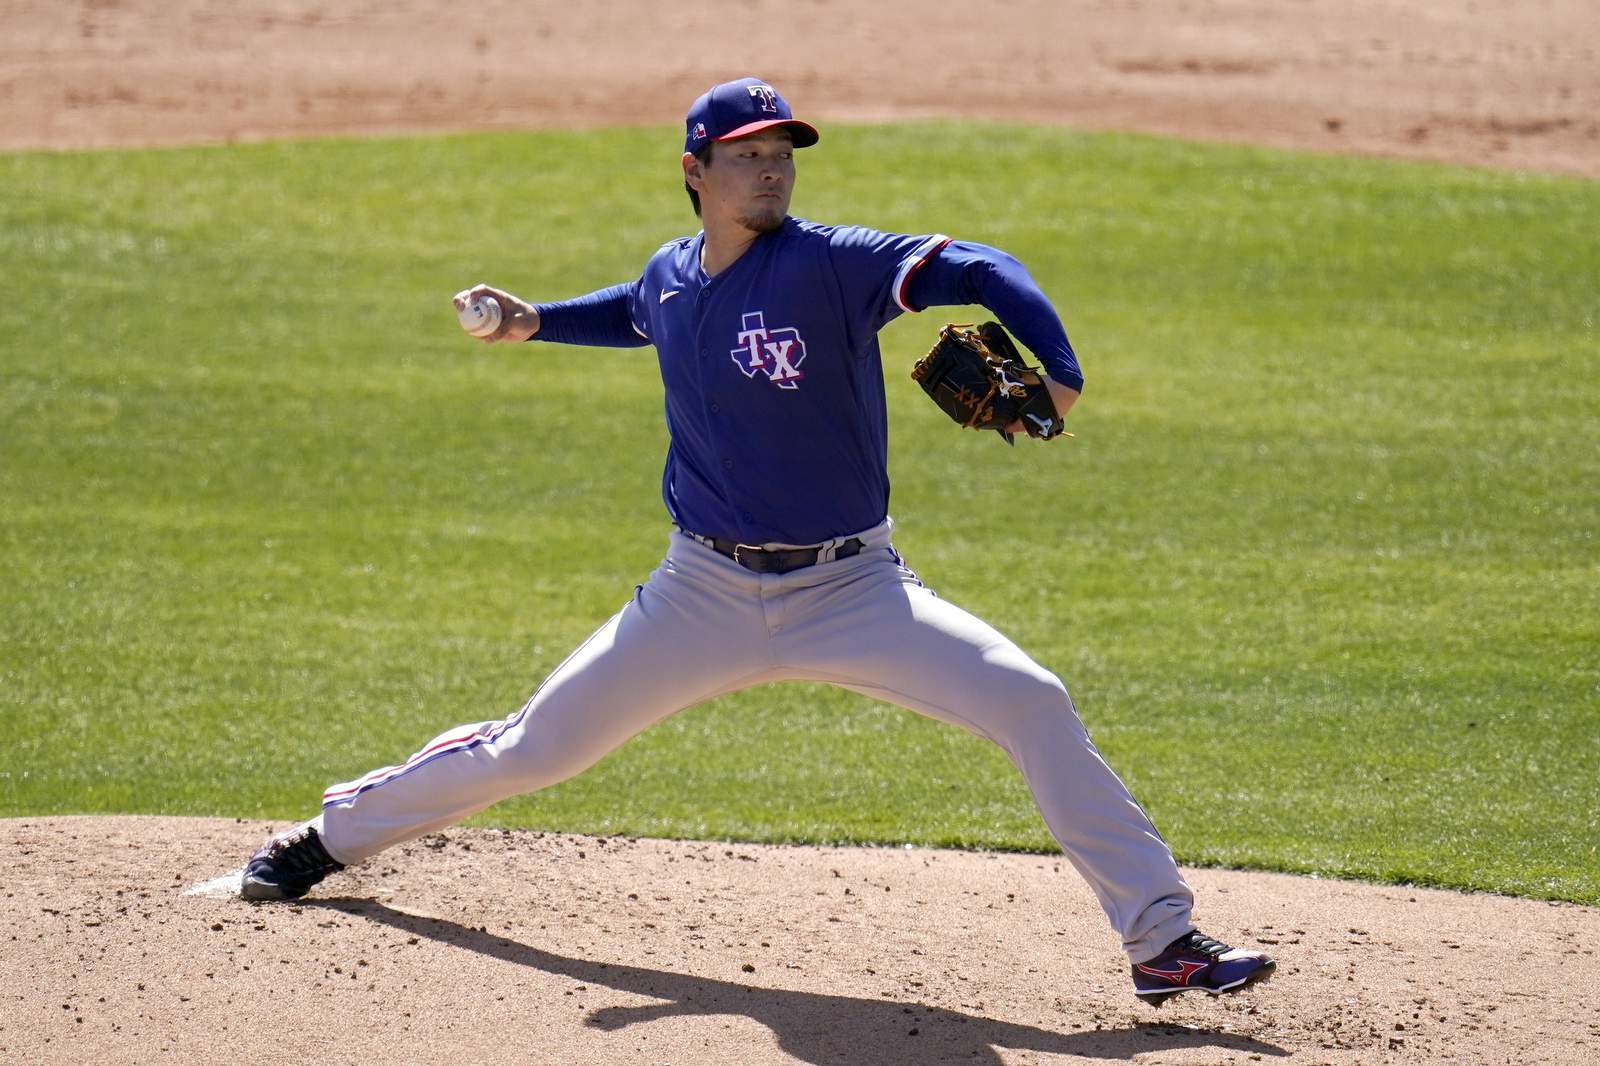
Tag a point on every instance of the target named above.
point(977, 377)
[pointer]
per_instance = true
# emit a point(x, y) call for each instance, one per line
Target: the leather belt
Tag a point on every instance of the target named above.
point(778, 560)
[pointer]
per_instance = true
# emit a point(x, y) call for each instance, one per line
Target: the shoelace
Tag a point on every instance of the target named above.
point(303, 854)
point(1201, 944)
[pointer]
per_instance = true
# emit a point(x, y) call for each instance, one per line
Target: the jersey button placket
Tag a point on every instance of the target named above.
point(708, 376)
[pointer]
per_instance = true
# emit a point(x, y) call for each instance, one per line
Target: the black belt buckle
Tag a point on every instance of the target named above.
point(737, 548)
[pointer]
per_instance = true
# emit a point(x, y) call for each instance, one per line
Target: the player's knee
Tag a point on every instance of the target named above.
point(546, 765)
point(538, 755)
point(1034, 702)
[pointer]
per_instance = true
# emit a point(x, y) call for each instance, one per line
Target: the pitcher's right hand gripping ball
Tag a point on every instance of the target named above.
point(492, 314)
point(978, 378)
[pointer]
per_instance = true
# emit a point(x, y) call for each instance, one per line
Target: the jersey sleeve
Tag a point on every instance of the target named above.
point(874, 270)
point(606, 318)
point(963, 272)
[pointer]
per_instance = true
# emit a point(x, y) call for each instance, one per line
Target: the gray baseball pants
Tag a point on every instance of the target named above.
point(703, 626)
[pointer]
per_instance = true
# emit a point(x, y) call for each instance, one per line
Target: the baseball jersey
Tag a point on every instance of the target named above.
point(773, 378)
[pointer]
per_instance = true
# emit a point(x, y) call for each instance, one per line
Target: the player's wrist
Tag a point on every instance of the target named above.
point(524, 323)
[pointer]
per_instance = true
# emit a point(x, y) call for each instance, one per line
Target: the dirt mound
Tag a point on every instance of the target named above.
point(485, 946)
point(1494, 82)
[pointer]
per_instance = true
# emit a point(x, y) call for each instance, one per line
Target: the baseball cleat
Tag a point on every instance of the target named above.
point(1195, 961)
point(286, 866)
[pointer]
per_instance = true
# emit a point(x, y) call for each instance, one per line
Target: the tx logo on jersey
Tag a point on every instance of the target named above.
point(777, 352)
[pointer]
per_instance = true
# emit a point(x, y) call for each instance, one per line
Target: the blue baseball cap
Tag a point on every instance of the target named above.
point(738, 109)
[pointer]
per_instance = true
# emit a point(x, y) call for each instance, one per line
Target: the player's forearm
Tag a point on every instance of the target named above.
point(600, 318)
point(1063, 396)
point(967, 273)
point(1027, 313)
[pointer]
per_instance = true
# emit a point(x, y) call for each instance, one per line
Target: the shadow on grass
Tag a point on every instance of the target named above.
point(820, 1029)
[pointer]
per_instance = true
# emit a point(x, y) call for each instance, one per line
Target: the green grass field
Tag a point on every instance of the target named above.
point(1321, 567)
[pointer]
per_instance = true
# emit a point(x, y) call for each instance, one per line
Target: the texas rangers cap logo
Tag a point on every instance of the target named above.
point(777, 352)
point(766, 96)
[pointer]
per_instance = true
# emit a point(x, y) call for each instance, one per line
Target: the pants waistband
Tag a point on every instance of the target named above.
point(761, 560)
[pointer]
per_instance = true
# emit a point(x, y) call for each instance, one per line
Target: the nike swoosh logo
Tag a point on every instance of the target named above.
point(668, 294)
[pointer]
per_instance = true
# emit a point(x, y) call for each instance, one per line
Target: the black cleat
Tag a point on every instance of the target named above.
point(286, 866)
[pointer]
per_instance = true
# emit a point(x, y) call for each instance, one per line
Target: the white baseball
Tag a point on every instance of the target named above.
point(481, 316)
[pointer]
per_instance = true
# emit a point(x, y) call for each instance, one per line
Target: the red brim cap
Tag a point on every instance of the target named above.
point(803, 133)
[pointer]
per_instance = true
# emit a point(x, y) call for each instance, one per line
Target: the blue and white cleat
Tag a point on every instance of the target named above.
point(1195, 961)
point(286, 866)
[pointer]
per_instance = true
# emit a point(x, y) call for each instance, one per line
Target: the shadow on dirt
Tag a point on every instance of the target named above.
point(819, 1029)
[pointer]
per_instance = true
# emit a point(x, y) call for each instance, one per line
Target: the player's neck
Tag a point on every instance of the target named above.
point(723, 245)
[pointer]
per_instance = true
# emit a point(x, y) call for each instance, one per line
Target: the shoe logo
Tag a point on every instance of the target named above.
point(667, 294)
point(1180, 976)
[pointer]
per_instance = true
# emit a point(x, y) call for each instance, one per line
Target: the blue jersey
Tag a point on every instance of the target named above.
point(773, 378)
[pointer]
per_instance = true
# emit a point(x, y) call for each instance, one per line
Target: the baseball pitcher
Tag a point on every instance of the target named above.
point(780, 564)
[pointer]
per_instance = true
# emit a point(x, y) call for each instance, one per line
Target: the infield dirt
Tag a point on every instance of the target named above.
point(485, 946)
point(1502, 83)
point(489, 946)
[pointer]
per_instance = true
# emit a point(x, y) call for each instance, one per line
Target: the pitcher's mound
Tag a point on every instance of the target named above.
point(123, 942)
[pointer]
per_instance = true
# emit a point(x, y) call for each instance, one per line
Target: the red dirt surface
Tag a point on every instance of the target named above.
point(1486, 82)
point(486, 946)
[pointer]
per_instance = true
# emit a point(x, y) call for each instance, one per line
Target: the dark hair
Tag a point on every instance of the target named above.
point(704, 156)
